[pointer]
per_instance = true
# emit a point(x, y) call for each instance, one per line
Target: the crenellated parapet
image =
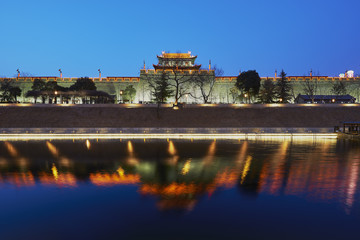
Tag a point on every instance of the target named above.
point(295, 79)
point(72, 80)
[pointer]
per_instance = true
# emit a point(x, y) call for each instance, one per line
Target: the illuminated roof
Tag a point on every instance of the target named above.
point(176, 55)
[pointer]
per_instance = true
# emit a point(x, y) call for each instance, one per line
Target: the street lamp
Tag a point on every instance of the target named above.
point(55, 100)
point(121, 93)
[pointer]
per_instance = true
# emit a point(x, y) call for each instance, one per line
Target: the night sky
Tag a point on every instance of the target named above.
point(81, 36)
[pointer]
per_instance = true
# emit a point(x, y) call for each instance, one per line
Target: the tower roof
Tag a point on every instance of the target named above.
point(176, 55)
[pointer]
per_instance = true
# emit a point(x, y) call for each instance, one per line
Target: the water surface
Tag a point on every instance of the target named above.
point(164, 189)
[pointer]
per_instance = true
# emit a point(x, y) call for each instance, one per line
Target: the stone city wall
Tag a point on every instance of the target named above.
point(220, 94)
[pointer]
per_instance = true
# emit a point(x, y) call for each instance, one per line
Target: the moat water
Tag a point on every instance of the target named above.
point(164, 189)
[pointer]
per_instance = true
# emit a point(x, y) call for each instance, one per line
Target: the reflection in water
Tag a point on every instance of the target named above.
point(88, 145)
point(178, 173)
point(12, 151)
point(130, 148)
point(55, 172)
point(353, 176)
point(171, 150)
point(52, 149)
point(246, 169)
point(186, 167)
point(211, 153)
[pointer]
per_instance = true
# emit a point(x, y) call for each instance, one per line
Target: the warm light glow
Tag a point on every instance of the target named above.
point(174, 189)
point(195, 136)
point(21, 179)
point(171, 149)
point(186, 167)
point(130, 147)
point(106, 179)
point(62, 179)
point(212, 149)
point(11, 149)
point(210, 154)
point(242, 153)
point(55, 172)
point(88, 144)
point(208, 105)
point(52, 149)
point(121, 172)
point(246, 168)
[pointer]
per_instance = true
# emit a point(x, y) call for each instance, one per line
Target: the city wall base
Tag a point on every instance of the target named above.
point(139, 119)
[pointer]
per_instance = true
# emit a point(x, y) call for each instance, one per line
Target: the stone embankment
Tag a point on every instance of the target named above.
point(191, 116)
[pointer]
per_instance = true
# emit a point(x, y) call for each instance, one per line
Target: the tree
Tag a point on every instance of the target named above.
point(234, 92)
point(249, 83)
point(310, 88)
point(38, 85)
point(205, 82)
point(160, 88)
point(83, 83)
point(267, 92)
point(129, 93)
point(15, 92)
point(9, 93)
point(283, 88)
point(339, 88)
point(180, 82)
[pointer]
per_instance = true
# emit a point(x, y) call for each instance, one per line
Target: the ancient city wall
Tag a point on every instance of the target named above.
point(221, 93)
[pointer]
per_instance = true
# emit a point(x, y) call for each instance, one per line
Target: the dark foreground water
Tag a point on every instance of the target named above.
point(273, 189)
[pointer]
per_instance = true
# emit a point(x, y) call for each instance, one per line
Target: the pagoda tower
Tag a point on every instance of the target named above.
point(181, 61)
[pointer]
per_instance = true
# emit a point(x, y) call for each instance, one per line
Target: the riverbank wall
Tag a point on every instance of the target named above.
point(265, 118)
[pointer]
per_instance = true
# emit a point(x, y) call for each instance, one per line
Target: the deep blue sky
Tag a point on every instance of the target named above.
point(80, 36)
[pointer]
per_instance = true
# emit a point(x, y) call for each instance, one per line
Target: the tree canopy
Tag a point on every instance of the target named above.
point(161, 89)
point(129, 93)
point(267, 92)
point(339, 88)
point(9, 93)
point(249, 83)
point(283, 88)
point(83, 83)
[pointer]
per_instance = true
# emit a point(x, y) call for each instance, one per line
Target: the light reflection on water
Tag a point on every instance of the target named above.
point(179, 174)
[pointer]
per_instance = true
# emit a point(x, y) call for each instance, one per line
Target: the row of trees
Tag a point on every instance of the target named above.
point(248, 87)
point(83, 87)
point(178, 84)
point(198, 85)
point(249, 84)
point(9, 93)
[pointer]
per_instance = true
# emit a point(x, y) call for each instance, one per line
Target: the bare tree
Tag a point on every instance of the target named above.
point(310, 88)
point(181, 83)
point(205, 82)
point(339, 88)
